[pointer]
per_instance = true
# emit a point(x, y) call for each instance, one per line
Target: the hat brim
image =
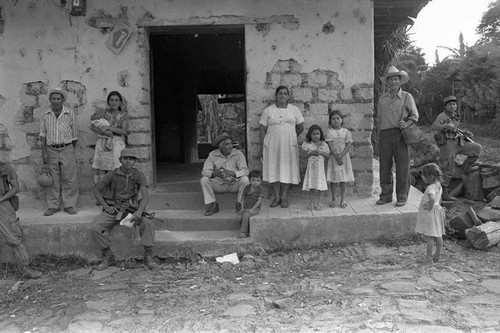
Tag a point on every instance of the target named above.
point(60, 92)
point(405, 77)
point(219, 139)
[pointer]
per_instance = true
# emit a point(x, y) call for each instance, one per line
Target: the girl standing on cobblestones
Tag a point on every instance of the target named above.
point(430, 218)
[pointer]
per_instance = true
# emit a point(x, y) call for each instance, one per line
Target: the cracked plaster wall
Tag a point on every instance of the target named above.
point(42, 46)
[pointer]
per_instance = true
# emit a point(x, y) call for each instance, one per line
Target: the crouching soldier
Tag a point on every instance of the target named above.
point(10, 227)
point(123, 185)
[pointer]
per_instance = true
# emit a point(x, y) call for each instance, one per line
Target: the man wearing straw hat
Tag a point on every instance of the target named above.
point(58, 133)
point(396, 110)
point(225, 170)
point(10, 227)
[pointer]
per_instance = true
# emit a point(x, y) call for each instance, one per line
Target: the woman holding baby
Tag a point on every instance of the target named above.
point(111, 126)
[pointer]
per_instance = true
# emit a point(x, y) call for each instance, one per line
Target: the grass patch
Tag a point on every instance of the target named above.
point(389, 241)
point(45, 262)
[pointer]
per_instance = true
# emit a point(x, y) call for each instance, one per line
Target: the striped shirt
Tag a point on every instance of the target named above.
point(391, 110)
point(61, 130)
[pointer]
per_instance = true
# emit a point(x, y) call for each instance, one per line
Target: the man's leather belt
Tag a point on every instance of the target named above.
point(62, 145)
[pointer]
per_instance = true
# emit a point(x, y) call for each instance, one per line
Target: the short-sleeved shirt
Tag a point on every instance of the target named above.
point(124, 186)
point(249, 199)
point(392, 110)
point(59, 130)
point(6, 171)
point(444, 118)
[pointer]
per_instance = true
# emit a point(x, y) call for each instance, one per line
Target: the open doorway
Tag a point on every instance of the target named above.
point(198, 76)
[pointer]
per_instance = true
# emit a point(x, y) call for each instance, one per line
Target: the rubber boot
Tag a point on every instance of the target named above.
point(31, 273)
point(108, 259)
point(468, 164)
point(148, 258)
point(446, 194)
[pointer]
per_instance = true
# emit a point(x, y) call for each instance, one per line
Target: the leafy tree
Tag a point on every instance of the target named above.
point(489, 27)
point(480, 75)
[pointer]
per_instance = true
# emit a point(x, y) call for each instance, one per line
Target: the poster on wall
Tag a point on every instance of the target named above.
point(119, 37)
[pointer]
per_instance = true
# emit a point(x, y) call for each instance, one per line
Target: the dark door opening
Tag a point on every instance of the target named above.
point(198, 76)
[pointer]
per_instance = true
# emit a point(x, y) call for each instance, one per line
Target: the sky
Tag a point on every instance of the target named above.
point(440, 23)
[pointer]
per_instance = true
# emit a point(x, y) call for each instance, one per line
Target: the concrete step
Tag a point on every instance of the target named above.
point(189, 220)
point(206, 243)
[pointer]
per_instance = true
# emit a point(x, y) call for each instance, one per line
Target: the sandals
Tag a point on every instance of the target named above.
point(284, 203)
point(274, 203)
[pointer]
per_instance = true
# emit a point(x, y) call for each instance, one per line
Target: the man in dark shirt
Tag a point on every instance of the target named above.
point(124, 186)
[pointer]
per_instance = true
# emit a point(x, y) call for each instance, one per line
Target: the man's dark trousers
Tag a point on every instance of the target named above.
point(392, 146)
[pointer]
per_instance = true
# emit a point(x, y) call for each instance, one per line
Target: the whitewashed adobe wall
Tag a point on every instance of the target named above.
point(321, 49)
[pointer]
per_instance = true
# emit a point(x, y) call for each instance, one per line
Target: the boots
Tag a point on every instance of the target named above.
point(446, 194)
point(468, 164)
point(108, 259)
point(148, 258)
point(31, 273)
point(211, 208)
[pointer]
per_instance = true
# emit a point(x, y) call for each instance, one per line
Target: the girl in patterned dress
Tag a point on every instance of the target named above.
point(339, 141)
point(430, 218)
point(315, 180)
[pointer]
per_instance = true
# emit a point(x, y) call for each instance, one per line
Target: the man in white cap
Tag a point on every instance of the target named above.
point(58, 133)
point(396, 110)
point(10, 227)
point(452, 141)
point(224, 170)
point(126, 184)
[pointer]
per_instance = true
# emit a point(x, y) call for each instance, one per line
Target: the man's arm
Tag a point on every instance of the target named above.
point(411, 107)
point(98, 188)
point(299, 128)
point(243, 168)
point(74, 129)
point(12, 192)
point(43, 144)
point(257, 205)
point(144, 201)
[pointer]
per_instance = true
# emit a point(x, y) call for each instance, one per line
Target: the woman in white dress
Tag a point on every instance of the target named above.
point(280, 124)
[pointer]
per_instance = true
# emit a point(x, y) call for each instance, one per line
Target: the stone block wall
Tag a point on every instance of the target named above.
point(315, 94)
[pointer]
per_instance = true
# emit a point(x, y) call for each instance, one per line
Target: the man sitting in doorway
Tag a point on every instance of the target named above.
point(225, 170)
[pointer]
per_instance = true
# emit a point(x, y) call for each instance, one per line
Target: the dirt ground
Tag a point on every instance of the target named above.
point(357, 288)
point(369, 287)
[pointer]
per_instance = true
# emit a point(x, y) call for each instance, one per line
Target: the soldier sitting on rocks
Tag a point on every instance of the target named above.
point(452, 141)
point(126, 183)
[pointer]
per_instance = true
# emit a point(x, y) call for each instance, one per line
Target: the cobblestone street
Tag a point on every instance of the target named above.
point(357, 288)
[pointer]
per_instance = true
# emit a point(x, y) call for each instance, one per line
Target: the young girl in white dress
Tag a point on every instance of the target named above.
point(339, 141)
point(315, 180)
point(430, 218)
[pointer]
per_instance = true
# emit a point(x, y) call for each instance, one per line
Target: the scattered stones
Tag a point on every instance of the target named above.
point(98, 275)
point(429, 328)
point(420, 310)
point(490, 299)
point(492, 285)
point(426, 281)
point(446, 277)
point(353, 289)
point(283, 303)
point(85, 327)
point(400, 287)
point(80, 272)
point(240, 310)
